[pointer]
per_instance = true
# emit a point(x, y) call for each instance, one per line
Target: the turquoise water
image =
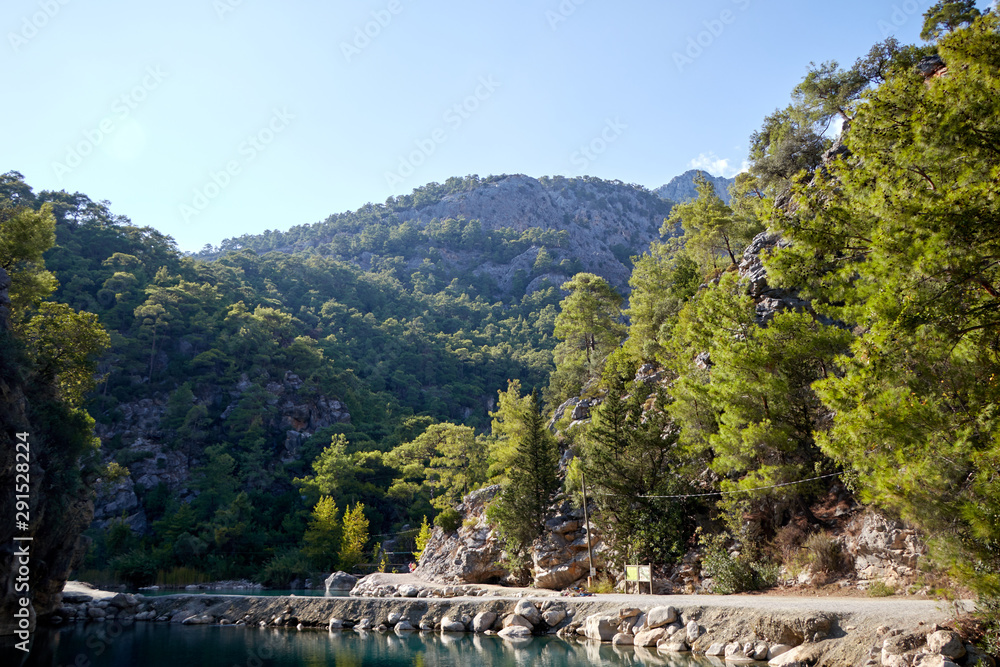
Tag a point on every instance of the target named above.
point(171, 645)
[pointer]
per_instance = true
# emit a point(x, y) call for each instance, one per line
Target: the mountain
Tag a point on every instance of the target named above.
point(681, 188)
point(509, 234)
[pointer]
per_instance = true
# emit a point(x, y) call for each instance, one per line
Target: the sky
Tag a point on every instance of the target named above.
point(209, 119)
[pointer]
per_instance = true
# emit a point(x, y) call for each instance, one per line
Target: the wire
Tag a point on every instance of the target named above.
point(759, 488)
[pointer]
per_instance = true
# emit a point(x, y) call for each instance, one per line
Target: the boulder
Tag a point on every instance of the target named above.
point(716, 649)
point(517, 619)
point(776, 650)
point(527, 609)
point(650, 637)
point(946, 643)
point(340, 581)
point(393, 618)
point(404, 626)
point(622, 639)
point(602, 628)
point(692, 631)
point(483, 621)
point(554, 617)
point(660, 616)
point(408, 591)
point(790, 658)
point(335, 623)
point(672, 646)
point(451, 624)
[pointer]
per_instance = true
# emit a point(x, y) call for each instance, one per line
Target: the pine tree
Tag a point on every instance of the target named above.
point(352, 544)
point(324, 535)
point(519, 509)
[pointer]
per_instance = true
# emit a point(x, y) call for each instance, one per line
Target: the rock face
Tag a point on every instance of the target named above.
point(469, 555)
point(769, 300)
point(597, 217)
point(882, 549)
point(560, 556)
point(295, 414)
point(681, 188)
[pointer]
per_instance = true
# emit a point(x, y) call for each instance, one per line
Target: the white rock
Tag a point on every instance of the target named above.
point(528, 610)
point(650, 637)
point(946, 643)
point(692, 631)
point(483, 621)
point(554, 617)
point(716, 649)
point(450, 624)
point(660, 616)
point(777, 650)
point(602, 628)
point(622, 639)
point(517, 619)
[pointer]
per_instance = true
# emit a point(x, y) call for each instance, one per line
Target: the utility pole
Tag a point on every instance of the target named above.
point(586, 521)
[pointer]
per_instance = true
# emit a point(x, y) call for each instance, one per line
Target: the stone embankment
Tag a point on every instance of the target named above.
point(736, 629)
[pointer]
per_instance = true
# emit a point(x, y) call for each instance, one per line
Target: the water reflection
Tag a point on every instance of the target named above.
point(169, 645)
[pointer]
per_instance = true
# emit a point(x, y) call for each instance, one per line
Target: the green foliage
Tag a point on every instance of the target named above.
point(946, 16)
point(355, 537)
point(518, 511)
point(284, 568)
point(422, 538)
point(711, 229)
point(323, 537)
point(136, 568)
point(740, 573)
point(448, 520)
point(629, 455)
point(589, 326)
point(880, 589)
point(899, 243)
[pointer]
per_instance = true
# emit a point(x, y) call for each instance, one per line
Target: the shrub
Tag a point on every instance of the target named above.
point(136, 568)
point(448, 520)
point(602, 584)
point(284, 568)
point(880, 589)
point(747, 571)
point(824, 554)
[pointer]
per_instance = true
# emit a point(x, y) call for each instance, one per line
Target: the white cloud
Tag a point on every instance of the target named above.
point(717, 166)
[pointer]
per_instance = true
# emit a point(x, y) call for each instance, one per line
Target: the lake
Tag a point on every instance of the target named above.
point(172, 645)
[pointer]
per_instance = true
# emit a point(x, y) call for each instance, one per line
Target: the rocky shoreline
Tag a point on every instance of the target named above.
point(736, 629)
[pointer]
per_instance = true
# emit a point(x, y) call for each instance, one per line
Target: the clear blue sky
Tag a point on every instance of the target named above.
point(213, 118)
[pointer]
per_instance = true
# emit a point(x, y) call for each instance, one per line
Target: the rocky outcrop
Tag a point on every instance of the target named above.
point(769, 300)
point(295, 415)
point(882, 549)
point(604, 221)
point(472, 554)
point(560, 555)
point(682, 188)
